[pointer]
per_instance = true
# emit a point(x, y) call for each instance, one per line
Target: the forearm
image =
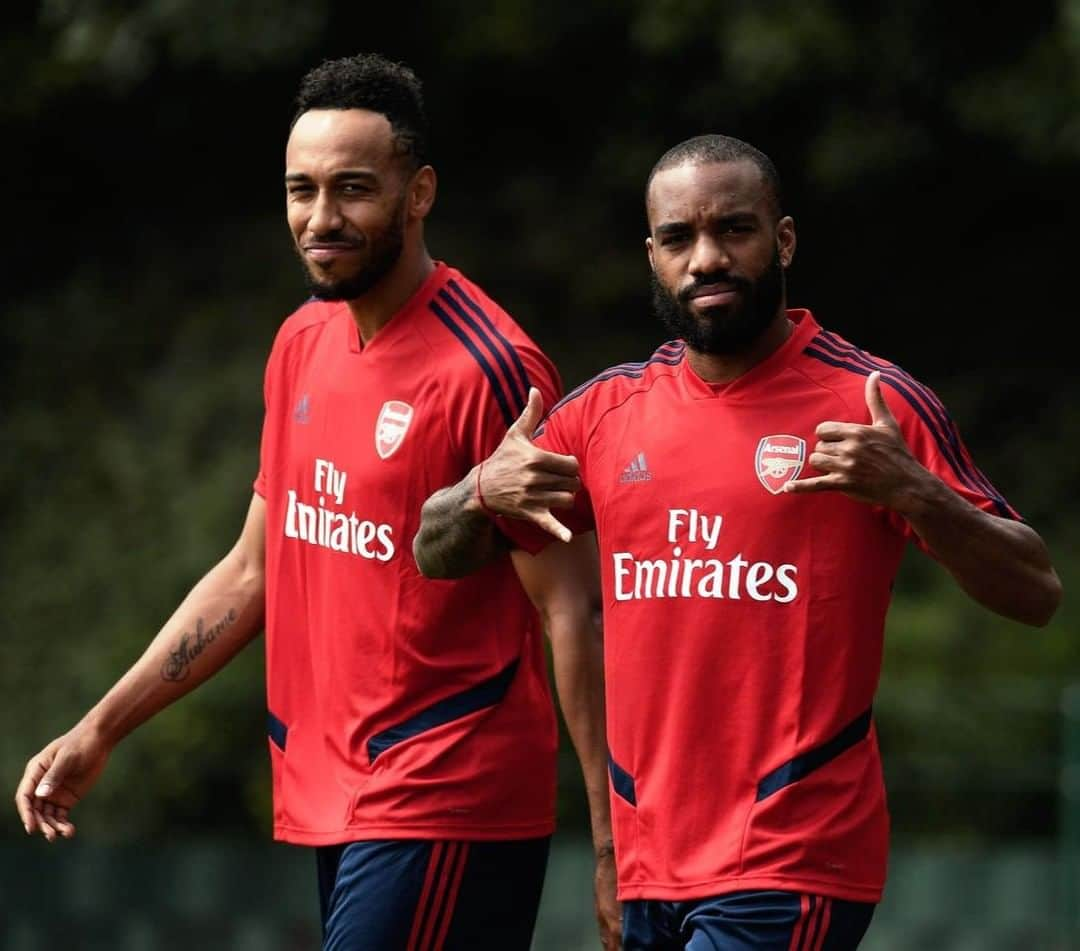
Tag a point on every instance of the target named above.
point(577, 661)
point(456, 535)
point(1001, 563)
point(220, 615)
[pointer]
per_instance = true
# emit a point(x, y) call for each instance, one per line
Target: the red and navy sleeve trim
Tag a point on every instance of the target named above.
point(837, 352)
point(670, 354)
point(496, 356)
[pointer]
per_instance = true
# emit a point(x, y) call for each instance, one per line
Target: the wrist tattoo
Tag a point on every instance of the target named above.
point(191, 645)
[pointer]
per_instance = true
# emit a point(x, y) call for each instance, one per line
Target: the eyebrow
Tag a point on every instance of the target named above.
point(738, 217)
point(347, 173)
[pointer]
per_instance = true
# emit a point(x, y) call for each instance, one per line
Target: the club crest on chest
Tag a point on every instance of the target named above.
point(391, 427)
point(778, 460)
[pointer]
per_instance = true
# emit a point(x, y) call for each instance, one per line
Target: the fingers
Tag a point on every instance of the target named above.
point(530, 417)
point(556, 463)
point(823, 483)
point(875, 402)
point(550, 524)
point(24, 794)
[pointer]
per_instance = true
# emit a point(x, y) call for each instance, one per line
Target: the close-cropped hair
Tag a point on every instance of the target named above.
point(707, 149)
point(372, 82)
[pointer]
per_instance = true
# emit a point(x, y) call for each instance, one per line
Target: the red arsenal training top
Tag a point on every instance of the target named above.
point(400, 707)
point(743, 626)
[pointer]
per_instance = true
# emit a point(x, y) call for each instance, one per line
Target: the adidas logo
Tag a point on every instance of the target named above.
point(302, 413)
point(637, 470)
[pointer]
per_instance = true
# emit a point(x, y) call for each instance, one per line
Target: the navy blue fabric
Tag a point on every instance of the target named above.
point(277, 730)
point(745, 921)
point(964, 472)
point(523, 375)
point(622, 782)
point(509, 415)
point(519, 395)
point(487, 693)
point(795, 769)
point(370, 894)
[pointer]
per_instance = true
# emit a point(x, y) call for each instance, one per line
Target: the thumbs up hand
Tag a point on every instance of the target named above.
point(870, 463)
point(518, 480)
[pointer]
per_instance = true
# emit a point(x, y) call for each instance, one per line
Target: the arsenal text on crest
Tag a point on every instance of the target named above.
point(778, 460)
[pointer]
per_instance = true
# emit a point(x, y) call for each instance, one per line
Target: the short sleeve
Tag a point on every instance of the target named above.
point(935, 441)
point(491, 407)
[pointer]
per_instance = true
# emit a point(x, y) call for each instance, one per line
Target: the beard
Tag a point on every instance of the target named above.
point(723, 330)
point(384, 250)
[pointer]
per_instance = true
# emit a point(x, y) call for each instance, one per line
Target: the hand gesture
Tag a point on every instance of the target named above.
point(520, 481)
point(56, 779)
point(869, 463)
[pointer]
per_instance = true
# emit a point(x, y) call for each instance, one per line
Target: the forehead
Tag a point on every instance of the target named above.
point(699, 191)
point(325, 140)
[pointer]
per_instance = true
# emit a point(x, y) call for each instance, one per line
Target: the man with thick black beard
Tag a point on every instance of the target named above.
point(753, 486)
point(411, 730)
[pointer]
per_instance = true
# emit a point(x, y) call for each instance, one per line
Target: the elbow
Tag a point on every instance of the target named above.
point(1049, 601)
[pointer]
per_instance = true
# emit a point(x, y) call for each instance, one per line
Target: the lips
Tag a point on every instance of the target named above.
point(328, 252)
point(717, 294)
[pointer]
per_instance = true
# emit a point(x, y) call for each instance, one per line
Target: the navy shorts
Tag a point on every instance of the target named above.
point(746, 921)
point(412, 895)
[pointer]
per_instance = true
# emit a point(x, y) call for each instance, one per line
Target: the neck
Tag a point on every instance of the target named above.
point(373, 310)
point(726, 367)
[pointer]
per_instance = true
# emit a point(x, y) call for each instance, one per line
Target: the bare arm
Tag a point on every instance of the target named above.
point(221, 614)
point(1001, 563)
point(517, 480)
point(563, 582)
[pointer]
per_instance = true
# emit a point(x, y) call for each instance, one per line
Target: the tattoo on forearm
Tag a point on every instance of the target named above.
point(191, 645)
point(453, 546)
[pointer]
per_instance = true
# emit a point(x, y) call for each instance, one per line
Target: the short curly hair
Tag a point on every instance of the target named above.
point(373, 82)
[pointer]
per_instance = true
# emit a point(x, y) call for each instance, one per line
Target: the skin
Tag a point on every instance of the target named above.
point(707, 219)
point(344, 185)
point(718, 218)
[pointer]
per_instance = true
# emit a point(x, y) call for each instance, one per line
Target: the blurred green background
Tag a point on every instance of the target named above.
point(930, 153)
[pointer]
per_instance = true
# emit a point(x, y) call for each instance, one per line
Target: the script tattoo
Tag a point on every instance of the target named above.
point(178, 666)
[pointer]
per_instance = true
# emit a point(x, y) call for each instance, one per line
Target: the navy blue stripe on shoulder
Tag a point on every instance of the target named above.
point(669, 354)
point(522, 375)
point(509, 415)
point(840, 346)
point(857, 362)
point(517, 395)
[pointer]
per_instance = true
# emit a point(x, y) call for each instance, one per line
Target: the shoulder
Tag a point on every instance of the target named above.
point(478, 340)
point(836, 363)
point(618, 384)
point(311, 315)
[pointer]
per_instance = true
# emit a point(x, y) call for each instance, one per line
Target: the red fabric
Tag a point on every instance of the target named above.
point(742, 626)
point(355, 439)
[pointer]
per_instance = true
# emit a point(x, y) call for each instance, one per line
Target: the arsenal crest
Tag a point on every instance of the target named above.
point(778, 460)
point(391, 427)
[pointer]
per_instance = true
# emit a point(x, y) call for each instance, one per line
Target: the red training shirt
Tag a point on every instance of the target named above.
point(400, 707)
point(743, 626)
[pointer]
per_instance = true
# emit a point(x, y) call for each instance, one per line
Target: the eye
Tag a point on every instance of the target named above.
point(298, 190)
point(673, 240)
point(355, 188)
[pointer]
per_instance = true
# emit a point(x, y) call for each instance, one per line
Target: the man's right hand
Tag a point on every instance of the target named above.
point(520, 481)
point(56, 779)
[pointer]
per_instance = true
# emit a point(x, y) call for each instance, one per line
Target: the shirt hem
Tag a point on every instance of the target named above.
point(830, 888)
point(441, 830)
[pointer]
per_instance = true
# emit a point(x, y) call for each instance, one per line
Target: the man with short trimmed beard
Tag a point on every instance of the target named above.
point(753, 486)
point(411, 729)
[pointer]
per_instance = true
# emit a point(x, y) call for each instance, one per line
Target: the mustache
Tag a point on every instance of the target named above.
point(716, 277)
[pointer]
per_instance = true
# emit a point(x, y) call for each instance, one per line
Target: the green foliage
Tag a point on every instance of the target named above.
point(929, 153)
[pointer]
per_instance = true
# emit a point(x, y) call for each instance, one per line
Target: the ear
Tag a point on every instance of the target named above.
point(421, 192)
point(785, 240)
point(648, 250)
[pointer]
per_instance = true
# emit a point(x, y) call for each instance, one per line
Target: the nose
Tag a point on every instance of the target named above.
point(708, 256)
point(325, 215)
